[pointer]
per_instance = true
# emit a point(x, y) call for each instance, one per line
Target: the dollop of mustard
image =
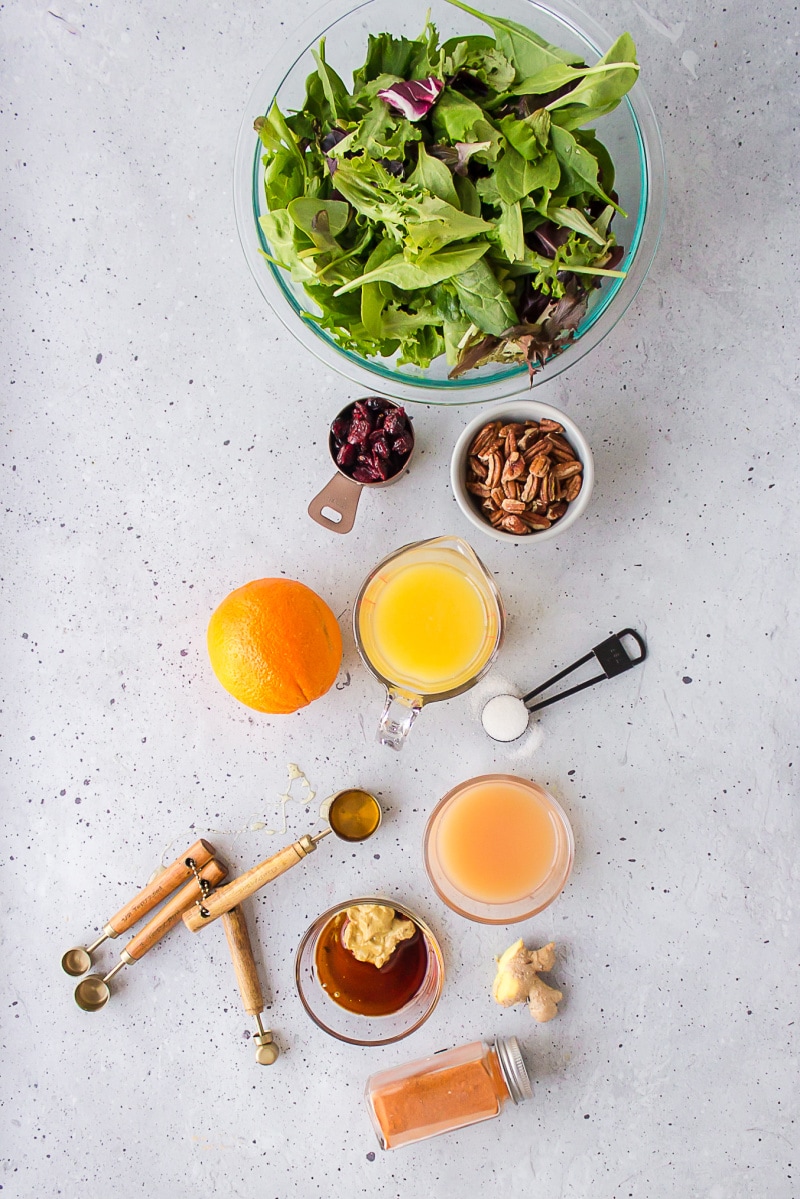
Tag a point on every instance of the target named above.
point(372, 932)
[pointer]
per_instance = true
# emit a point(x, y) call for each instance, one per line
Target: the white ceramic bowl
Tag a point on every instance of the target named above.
point(521, 410)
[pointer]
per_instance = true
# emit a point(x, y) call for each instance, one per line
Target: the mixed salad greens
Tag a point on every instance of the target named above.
point(452, 201)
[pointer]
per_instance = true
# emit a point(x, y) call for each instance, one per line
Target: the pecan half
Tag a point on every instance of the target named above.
point(573, 488)
point(565, 470)
point(513, 524)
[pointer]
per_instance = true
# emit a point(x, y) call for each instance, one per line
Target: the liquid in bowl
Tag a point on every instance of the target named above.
point(498, 849)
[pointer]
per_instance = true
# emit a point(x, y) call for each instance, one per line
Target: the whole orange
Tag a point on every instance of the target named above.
point(274, 645)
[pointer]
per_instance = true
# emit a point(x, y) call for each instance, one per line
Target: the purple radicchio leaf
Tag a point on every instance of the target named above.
point(414, 99)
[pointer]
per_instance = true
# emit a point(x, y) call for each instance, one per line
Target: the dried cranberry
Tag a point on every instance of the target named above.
point(380, 467)
point(380, 446)
point(360, 430)
point(395, 422)
point(403, 444)
point(376, 404)
point(340, 428)
point(362, 412)
point(347, 455)
point(365, 474)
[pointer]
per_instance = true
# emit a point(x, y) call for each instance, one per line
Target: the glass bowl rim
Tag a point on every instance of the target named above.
point(318, 924)
point(394, 382)
point(504, 918)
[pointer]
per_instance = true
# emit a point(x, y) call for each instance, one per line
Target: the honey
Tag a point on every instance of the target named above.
point(354, 815)
point(362, 987)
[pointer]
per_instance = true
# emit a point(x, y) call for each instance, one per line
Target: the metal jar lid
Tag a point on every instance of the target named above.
point(512, 1065)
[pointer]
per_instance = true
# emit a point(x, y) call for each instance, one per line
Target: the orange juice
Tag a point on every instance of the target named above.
point(427, 621)
point(497, 841)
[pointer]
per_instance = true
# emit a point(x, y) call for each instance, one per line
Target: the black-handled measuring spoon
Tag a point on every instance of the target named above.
point(505, 717)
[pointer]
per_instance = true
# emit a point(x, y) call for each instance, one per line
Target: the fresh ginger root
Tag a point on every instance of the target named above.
point(518, 981)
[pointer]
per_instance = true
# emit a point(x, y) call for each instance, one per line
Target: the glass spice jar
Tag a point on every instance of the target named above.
point(451, 1089)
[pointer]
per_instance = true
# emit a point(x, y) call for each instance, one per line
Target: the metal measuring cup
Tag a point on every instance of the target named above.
point(341, 495)
point(353, 815)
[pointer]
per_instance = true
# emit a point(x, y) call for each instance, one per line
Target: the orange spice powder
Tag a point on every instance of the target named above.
point(439, 1099)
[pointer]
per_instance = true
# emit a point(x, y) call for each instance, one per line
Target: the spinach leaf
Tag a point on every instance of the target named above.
point(468, 199)
point(435, 177)
point(422, 271)
point(525, 49)
point(578, 166)
point(285, 244)
point(509, 232)
point(335, 92)
point(483, 299)
point(572, 218)
point(320, 220)
point(555, 77)
point(607, 82)
point(590, 141)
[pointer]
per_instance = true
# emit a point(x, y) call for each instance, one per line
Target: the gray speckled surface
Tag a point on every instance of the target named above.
point(161, 441)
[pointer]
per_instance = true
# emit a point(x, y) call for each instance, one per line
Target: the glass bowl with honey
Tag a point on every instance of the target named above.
point(375, 1001)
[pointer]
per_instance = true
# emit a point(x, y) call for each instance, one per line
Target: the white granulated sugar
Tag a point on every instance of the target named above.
point(505, 717)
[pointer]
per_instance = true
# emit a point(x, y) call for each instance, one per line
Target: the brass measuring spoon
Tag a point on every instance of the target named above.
point(93, 992)
point(77, 961)
point(244, 965)
point(353, 815)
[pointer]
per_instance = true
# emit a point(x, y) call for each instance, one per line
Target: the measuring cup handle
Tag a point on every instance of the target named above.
point(340, 496)
point(399, 713)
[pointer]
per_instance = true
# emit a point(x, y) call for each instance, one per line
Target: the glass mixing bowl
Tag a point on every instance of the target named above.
point(630, 133)
point(352, 1027)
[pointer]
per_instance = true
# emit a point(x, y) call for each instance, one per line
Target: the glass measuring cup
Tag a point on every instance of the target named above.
point(428, 622)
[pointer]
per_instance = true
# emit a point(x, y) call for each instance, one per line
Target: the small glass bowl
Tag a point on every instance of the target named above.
point(630, 132)
point(351, 1027)
point(521, 909)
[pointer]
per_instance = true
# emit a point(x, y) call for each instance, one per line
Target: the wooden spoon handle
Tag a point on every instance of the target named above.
point(168, 916)
point(246, 884)
point(244, 963)
point(169, 879)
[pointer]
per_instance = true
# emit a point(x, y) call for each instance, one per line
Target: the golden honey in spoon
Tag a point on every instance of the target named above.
point(354, 815)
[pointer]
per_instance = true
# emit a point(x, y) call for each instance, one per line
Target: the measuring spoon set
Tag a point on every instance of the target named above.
point(353, 816)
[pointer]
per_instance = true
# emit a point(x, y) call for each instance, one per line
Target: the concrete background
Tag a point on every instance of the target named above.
point(162, 437)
